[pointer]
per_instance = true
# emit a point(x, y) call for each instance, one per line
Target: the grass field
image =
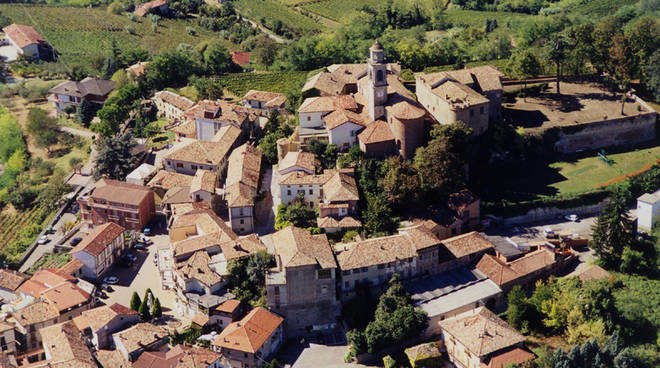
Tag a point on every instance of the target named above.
point(281, 82)
point(340, 10)
point(590, 172)
point(81, 34)
point(273, 10)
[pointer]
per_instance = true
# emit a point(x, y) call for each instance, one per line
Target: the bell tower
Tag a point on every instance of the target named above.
point(377, 87)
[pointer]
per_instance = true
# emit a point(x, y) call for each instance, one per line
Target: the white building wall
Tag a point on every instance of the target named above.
point(345, 135)
point(312, 193)
point(646, 214)
point(89, 263)
point(311, 119)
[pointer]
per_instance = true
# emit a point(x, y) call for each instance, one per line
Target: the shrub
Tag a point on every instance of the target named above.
point(191, 31)
point(116, 8)
point(130, 29)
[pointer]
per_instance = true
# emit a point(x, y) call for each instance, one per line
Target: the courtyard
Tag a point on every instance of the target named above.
point(579, 103)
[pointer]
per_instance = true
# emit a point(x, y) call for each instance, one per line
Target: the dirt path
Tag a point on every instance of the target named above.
point(20, 107)
point(323, 20)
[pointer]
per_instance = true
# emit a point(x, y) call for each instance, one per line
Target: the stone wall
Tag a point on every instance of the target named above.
point(548, 213)
point(607, 133)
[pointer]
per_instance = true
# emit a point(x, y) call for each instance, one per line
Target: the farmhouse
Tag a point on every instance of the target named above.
point(71, 93)
point(171, 105)
point(25, 40)
point(268, 101)
point(160, 7)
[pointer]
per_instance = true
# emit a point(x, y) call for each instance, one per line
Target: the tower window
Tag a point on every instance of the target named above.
point(379, 76)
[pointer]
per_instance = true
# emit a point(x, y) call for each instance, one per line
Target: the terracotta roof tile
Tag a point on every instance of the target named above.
point(465, 244)
point(67, 346)
point(375, 132)
point(155, 359)
point(177, 195)
point(203, 180)
point(300, 178)
point(375, 251)
point(140, 335)
point(228, 306)
point(243, 171)
point(207, 152)
point(142, 9)
point(99, 317)
point(37, 312)
point(218, 110)
point(340, 187)
point(593, 272)
point(251, 332)
point(138, 68)
point(87, 87)
point(328, 103)
point(169, 179)
point(178, 101)
point(200, 319)
point(240, 57)
point(65, 295)
point(113, 359)
point(10, 279)
point(119, 191)
point(99, 239)
point(270, 99)
point(297, 247)
point(516, 356)
point(72, 266)
point(197, 267)
point(340, 117)
point(481, 331)
point(406, 110)
point(23, 35)
point(186, 129)
point(242, 246)
point(44, 279)
point(304, 160)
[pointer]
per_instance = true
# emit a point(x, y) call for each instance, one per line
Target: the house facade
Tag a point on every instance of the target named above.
point(302, 285)
point(648, 207)
point(71, 93)
point(209, 117)
point(99, 250)
point(261, 100)
point(241, 187)
point(101, 322)
point(7, 338)
point(252, 340)
point(25, 40)
point(127, 205)
point(172, 106)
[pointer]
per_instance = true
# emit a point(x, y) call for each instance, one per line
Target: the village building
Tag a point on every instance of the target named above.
point(99, 250)
point(141, 337)
point(359, 98)
point(297, 161)
point(478, 338)
point(65, 346)
point(72, 268)
point(69, 94)
point(180, 356)
point(225, 313)
point(127, 205)
point(210, 116)
point(252, 340)
point(302, 287)
point(140, 174)
point(159, 7)
point(137, 70)
point(593, 272)
point(463, 250)
point(172, 106)
point(204, 154)
point(241, 187)
point(648, 207)
point(241, 58)
point(26, 41)
point(101, 322)
point(165, 180)
point(472, 95)
point(10, 281)
point(522, 271)
point(7, 338)
point(261, 100)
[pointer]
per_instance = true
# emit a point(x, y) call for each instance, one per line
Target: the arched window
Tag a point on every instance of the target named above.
point(379, 76)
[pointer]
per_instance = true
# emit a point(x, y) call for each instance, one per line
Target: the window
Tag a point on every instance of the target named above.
point(347, 284)
point(288, 192)
point(379, 76)
point(453, 231)
point(311, 191)
point(309, 118)
point(381, 266)
point(194, 167)
point(242, 221)
point(324, 274)
point(179, 164)
point(276, 290)
point(365, 269)
point(324, 289)
point(466, 214)
point(471, 112)
point(346, 273)
point(356, 270)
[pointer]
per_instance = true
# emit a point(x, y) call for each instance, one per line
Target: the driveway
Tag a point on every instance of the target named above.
point(313, 356)
point(141, 275)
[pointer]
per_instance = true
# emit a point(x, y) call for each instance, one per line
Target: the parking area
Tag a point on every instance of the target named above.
point(143, 275)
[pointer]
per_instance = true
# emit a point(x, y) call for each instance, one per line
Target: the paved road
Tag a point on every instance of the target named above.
point(43, 249)
point(142, 275)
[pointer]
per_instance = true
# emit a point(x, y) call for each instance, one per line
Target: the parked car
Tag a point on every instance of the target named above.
point(110, 280)
point(549, 233)
point(139, 245)
point(106, 287)
point(124, 262)
point(76, 241)
point(146, 240)
point(572, 217)
point(131, 257)
point(43, 240)
point(147, 231)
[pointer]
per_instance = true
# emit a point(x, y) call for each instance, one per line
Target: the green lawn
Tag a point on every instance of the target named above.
point(82, 34)
point(339, 10)
point(589, 172)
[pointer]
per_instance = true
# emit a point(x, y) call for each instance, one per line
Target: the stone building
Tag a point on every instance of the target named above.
point(302, 287)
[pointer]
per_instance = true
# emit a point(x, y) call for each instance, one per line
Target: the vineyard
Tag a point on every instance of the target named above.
point(340, 10)
point(273, 11)
point(80, 35)
point(18, 231)
point(281, 82)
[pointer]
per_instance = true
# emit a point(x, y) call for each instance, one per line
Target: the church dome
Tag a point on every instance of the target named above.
point(376, 46)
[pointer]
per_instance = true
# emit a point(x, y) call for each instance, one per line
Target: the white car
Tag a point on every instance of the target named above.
point(43, 240)
point(573, 218)
point(110, 280)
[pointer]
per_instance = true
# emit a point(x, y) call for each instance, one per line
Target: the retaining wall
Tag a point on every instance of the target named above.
point(549, 213)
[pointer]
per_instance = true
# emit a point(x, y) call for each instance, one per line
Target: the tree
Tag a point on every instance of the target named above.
point(441, 164)
point(556, 51)
point(112, 116)
point(519, 310)
point(247, 277)
point(157, 311)
point(297, 213)
point(652, 72)
point(524, 65)
point(43, 128)
point(401, 182)
point(217, 59)
point(109, 67)
point(613, 231)
point(115, 157)
point(396, 319)
point(135, 301)
point(644, 37)
point(85, 112)
point(144, 311)
point(169, 69)
point(378, 217)
point(623, 64)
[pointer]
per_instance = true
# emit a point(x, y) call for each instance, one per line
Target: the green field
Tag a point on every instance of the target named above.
point(589, 172)
point(339, 10)
point(281, 82)
point(82, 34)
point(272, 11)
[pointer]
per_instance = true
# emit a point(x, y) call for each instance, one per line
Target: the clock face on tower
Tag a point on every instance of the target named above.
point(379, 93)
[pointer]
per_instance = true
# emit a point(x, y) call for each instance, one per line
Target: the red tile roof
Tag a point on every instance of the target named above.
point(241, 57)
point(119, 191)
point(23, 35)
point(251, 332)
point(99, 239)
point(507, 358)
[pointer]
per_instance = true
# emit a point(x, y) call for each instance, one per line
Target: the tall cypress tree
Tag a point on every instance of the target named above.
point(613, 231)
point(156, 311)
point(144, 311)
point(135, 301)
